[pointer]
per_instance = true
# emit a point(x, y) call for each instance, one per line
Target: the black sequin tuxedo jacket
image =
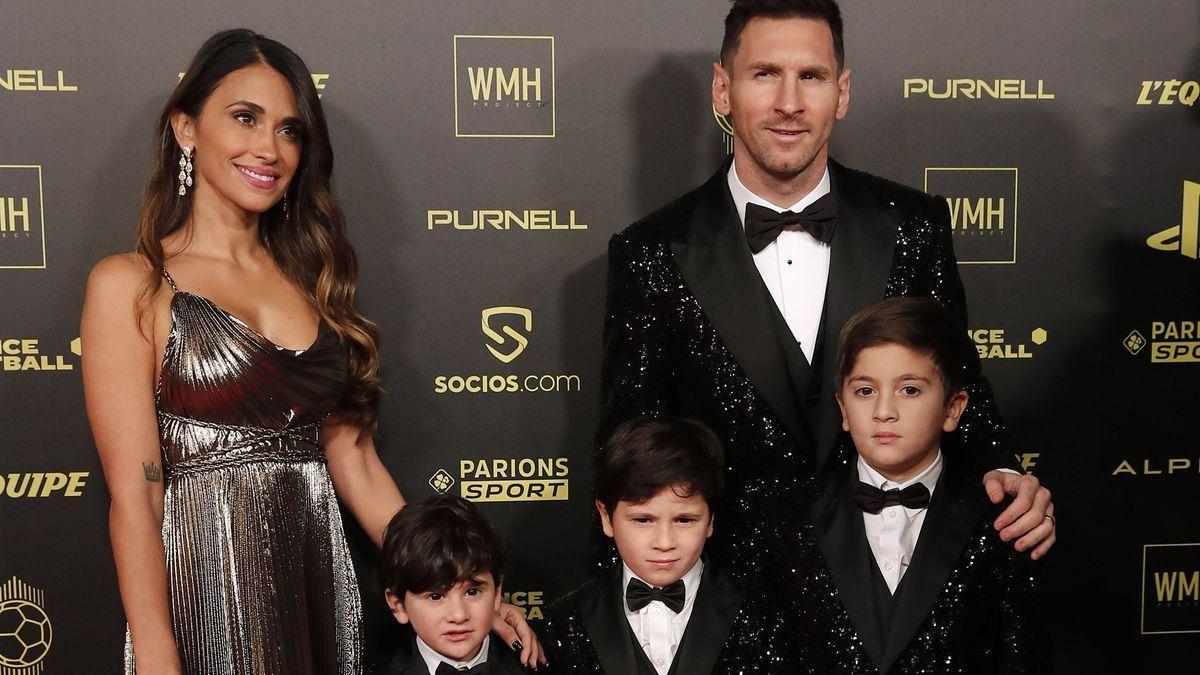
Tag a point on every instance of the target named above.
point(586, 631)
point(968, 603)
point(691, 329)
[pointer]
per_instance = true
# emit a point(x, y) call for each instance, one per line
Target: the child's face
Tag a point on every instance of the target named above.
point(893, 404)
point(455, 622)
point(661, 539)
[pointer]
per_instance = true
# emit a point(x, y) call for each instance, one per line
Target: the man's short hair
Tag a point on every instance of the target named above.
point(647, 455)
point(435, 543)
point(744, 10)
point(920, 324)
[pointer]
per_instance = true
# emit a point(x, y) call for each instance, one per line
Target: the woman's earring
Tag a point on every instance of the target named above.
point(185, 170)
point(286, 214)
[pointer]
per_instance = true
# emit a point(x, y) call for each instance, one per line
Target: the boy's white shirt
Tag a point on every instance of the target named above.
point(893, 532)
point(656, 628)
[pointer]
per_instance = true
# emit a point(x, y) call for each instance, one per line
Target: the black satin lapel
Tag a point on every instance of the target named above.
point(952, 517)
point(843, 541)
point(716, 605)
point(609, 629)
point(860, 259)
point(716, 264)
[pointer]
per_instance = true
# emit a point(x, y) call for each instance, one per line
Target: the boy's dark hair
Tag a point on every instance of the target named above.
point(646, 455)
point(744, 10)
point(435, 543)
point(920, 324)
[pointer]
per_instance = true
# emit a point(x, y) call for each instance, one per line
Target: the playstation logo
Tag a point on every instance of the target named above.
point(1184, 237)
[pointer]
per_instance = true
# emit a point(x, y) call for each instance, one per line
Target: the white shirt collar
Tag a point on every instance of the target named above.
point(691, 583)
point(742, 195)
point(432, 658)
point(928, 477)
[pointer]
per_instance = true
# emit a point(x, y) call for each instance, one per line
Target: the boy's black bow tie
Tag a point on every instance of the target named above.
point(763, 225)
point(639, 594)
point(873, 500)
point(447, 669)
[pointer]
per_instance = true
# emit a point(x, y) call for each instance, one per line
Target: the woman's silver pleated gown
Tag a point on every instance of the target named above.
point(258, 569)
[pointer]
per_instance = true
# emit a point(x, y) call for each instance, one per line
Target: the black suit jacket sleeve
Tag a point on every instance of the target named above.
point(1025, 645)
point(981, 430)
point(635, 376)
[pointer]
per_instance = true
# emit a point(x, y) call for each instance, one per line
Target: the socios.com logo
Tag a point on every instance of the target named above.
point(25, 630)
point(520, 342)
point(1183, 238)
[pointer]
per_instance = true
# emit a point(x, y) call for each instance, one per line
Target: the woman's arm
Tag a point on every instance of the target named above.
point(118, 385)
point(360, 478)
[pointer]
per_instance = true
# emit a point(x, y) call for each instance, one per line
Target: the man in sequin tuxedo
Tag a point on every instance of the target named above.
point(902, 571)
point(721, 308)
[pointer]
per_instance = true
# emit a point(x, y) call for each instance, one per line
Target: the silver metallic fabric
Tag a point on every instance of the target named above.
point(259, 572)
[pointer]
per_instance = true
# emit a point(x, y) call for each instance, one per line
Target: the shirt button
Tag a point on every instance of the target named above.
point(892, 514)
point(789, 262)
point(660, 661)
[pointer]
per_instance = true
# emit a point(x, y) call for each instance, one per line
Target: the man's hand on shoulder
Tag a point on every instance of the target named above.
point(1029, 519)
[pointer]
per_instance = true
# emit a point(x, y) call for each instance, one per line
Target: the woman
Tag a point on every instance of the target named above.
point(231, 385)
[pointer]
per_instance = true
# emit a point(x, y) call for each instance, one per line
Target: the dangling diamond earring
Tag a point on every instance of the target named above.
point(286, 214)
point(185, 170)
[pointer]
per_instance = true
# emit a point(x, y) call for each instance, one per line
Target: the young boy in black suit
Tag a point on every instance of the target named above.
point(442, 568)
point(666, 610)
point(910, 575)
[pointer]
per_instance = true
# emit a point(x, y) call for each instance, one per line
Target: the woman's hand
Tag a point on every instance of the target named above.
point(511, 627)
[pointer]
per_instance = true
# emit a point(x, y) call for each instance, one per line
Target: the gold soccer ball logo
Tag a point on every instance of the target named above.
point(25, 633)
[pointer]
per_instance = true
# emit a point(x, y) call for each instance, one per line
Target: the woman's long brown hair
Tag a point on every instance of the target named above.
point(311, 248)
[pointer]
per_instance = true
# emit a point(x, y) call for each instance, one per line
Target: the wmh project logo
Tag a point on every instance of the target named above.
point(22, 228)
point(1170, 588)
point(983, 211)
point(504, 86)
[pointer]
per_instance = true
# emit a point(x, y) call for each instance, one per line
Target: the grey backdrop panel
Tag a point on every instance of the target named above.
point(1100, 389)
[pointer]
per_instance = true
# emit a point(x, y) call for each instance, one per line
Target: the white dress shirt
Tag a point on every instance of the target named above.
point(657, 628)
point(795, 267)
point(893, 532)
point(432, 658)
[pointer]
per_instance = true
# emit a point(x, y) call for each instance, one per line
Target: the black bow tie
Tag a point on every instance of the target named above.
point(763, 225)
point(639, 594)
point(447, 669)
point(873, 500)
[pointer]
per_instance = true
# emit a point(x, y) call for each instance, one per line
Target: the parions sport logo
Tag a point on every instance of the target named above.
point(508, 479)
point(507, 333)
point(1170, 588)
point(27, 355)
point(993, 343)
point(26, 632)
point(22, 225)
point(983, 211)
point(1167, 342)
point(504, 86)
point(1183, 238)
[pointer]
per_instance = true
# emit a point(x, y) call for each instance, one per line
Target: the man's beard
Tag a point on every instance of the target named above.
point(780, 168)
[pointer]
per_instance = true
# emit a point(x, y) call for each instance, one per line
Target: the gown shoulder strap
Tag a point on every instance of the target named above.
point(170, 281)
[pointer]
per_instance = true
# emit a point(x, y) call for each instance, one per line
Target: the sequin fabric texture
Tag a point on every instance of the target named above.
point(258, 568)
point(664, 356)
point(988, 617)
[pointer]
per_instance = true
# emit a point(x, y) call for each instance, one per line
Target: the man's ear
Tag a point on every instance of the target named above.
point(843, 93)
point(499, 594)
point(396, 604)
point(605, 519)
point(720, 89)
point(954, 410)
point(183, 126)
